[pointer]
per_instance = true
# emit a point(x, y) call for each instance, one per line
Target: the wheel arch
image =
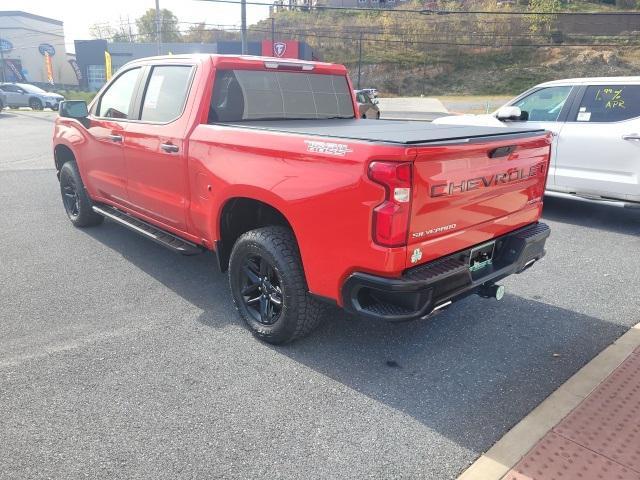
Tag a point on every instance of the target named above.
point(62, 154)
point(239, 215)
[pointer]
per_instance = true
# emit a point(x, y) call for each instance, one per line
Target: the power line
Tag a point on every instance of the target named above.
point(426, 11)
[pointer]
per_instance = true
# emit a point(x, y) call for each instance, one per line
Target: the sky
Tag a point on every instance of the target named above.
point(78, 15)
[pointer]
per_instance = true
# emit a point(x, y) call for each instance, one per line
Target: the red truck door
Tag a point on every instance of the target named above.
point(154, 147)
point(103, 161)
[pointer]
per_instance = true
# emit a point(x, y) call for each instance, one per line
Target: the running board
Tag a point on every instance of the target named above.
point(152, 232)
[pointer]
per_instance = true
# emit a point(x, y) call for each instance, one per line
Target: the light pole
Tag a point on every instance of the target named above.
point(273, 34)
point(4, 78)
point(359, 58)
point(243, 27)
point(158, 27)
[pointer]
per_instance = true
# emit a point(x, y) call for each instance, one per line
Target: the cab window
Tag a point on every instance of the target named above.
point(240, 95)
point(116, 100)
point(609, 103)
point(544, 105)
point(166, 93)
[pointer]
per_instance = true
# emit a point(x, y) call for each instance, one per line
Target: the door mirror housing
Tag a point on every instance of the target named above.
point(509, 113)
point(75, 109)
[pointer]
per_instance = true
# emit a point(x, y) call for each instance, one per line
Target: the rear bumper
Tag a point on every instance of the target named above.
point(425, 288)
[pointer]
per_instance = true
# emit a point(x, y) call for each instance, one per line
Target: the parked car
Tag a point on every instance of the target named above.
point(367, 107)
point(266, 163)
point(25, 95)
point(373, 93)
point(596, 121)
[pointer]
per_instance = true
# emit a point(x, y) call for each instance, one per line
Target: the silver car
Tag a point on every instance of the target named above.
point(24, 95)
point(367, 106)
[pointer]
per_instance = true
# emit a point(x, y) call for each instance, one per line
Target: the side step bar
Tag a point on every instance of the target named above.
point(152, 232)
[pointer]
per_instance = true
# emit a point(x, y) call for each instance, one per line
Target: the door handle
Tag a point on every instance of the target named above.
point(169, 147)
point(115, 138)
point(631, 136)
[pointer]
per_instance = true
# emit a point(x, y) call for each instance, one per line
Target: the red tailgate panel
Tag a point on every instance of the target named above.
point(465, 194)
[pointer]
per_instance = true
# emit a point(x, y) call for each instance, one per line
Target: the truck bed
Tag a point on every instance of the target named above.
point(386, 131)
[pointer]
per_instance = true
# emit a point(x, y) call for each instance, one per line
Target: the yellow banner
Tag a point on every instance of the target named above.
point(107, 66)
point(49, 67)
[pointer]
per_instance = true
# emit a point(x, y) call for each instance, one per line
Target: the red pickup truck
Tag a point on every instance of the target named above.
point(263, 161)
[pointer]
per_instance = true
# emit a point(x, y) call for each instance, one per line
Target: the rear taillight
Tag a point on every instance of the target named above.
point(391, 217)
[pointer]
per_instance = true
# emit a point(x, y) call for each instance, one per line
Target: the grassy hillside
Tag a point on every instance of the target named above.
point(413, 54)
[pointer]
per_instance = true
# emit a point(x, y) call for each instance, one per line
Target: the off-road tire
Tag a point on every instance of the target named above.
point(75, 199)
point(300, 313)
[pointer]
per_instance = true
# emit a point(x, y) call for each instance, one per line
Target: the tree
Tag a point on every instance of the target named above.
point(169, 29)
point(542, 23)
point(105, 31)
point(200, 33)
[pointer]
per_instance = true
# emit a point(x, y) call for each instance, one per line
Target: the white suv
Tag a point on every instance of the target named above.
point(596, 122)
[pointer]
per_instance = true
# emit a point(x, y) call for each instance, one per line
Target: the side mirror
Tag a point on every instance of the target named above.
point(509, 113)
point(75, 109)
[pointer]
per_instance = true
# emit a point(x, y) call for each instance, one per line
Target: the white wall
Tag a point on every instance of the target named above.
point(26, 34)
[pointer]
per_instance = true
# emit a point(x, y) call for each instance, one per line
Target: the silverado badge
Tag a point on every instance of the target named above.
point(416, 255)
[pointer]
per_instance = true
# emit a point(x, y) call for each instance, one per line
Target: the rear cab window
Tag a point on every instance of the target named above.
point(609, 103)
point(166, 93)
point(240, 95)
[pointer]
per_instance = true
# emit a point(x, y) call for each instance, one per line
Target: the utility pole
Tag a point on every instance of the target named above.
point(273, 35)
point(4, 78)
point(359, 58)
point(158, 26)
point(243, 27)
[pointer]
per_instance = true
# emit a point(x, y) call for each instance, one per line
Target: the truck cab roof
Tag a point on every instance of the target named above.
point(229, 61)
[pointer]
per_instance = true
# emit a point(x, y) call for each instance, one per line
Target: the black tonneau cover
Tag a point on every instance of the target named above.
point(387, 131)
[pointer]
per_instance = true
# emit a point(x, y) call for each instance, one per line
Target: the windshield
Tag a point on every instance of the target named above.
point(31, 88)
point(262, 95)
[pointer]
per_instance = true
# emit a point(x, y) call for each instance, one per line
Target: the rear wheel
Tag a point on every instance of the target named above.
point(35, 104)
point(269, 288)
point(76, 202)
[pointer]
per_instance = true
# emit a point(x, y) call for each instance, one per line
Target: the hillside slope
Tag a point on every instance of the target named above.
point(414, 54)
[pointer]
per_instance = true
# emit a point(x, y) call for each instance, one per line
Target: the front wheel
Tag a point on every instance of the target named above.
point(76, 202)
point(269, 288)
point(35, 104)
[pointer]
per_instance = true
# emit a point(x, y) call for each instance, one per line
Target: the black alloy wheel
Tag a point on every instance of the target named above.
point(261, 290)
point(75, 199)
point(269, 287)
point(70, 197)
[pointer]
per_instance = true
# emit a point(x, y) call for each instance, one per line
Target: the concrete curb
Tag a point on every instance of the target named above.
point(500, 458)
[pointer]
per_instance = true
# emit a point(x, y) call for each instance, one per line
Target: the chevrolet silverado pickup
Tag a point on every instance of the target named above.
point(264, 162)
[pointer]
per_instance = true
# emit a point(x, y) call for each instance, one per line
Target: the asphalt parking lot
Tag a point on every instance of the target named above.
point(119, 359)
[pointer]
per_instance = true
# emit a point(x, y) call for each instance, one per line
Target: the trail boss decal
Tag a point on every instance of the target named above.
point(329, 148)
point(450, 188)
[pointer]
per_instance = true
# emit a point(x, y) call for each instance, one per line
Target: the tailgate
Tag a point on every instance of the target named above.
point(468, 193)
